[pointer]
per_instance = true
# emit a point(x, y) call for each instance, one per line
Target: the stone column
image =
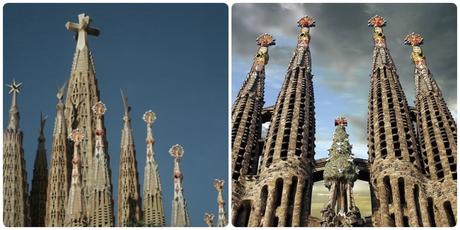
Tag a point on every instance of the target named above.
point(297, 204)
point(384, 209)
point(411, 205)
point(283, 209)
point(397, 209)
point(268, 217)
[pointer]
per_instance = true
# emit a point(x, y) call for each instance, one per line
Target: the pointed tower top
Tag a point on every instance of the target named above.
point(377, 21)
point(126, 106)
point(42, 126)
point(306, 21)
point(176, 151)
point(61, 91)
point(15, 88)
point(265, 40)
point(82, 29)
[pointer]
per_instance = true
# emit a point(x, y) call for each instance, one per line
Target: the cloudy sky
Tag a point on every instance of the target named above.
point(170, 58)
point(341, 50)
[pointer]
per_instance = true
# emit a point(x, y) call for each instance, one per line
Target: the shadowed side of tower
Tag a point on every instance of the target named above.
point(395, 162)
point(39, 181)
point(438, 138)
point(129, 200)
point(246, 122)
point(15, 187)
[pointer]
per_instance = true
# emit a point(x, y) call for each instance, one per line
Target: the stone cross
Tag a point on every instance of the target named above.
point(82, 29)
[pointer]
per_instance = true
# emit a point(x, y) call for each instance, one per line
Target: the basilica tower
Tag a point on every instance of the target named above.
point(129, 200)
point(15, 187)
point(180, 216)
point(395, 162)
point(438, 138)
point(82, 94)
point(60, 169)
point(153, 197)
point(246, 112)
point(39, 181)
point(100, 205)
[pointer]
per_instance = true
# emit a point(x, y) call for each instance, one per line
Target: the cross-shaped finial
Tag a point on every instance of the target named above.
point(219, 185)
point(377, 21)
point(413, 39)
point(306, 21)
point(265, 40)
point(14, 87)
point(82, 29)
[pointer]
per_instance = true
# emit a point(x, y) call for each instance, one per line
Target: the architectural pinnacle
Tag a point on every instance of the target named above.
point(180, 217)
point(303, 39)
point(222, 219)
point(126, 107)
point(82, 29)
point(209, 219)
point(15, 88)
point(149, 118)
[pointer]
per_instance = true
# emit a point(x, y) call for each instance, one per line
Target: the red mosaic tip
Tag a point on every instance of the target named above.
point(306, 21)
point(413, 39)
point(377, 21)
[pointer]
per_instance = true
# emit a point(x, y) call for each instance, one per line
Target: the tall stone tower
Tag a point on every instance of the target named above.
point(100, 205)
point(438, 138)
point(39, 181)
point(222, 218)
point(283, 191)
point(82, 93)
point(15, 187)
point(75, 214)
point(340, 173)
point(60, 169)
point(395, 163)
point(153, 198)
point(246, 122)
point(129, 200)
point(179, 217)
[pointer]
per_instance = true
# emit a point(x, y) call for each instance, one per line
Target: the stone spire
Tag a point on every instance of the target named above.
point(60, 169)
point(75, 214)
point(15, 187)
point(82, 93)
point(433, 118)
point(100, 206)
point(284, 182)
point(340, 173)
point(219, 185)
point(209, 219)
point(39, 180)
point(153, 198)
point(393, 154)
point(437, 132)
point(179, 217)
point(129, 200)
point(246, 112)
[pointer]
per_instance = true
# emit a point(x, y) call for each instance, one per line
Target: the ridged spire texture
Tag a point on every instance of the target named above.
point(15, 187)
point(60, 169)
point(100, 205)
point(129, 200)
point(153, 198)
point(180, 216)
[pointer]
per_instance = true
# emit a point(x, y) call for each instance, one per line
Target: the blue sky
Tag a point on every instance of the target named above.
point(171, 58)
point(341, 49)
